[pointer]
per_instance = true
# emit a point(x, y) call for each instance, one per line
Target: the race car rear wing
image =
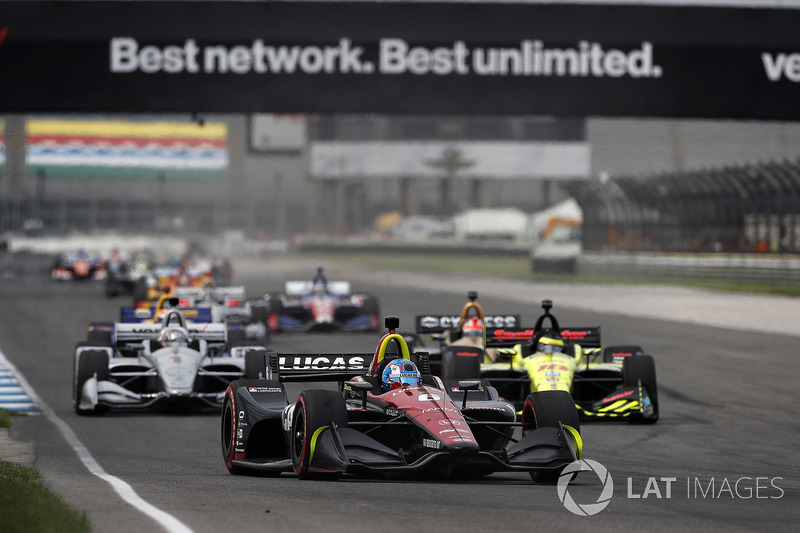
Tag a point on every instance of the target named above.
point(317, 367)
point(587, 337)
point(299, 288)
point(145, 314)
point(425, 324)
point(214, 295)
point(210, 332)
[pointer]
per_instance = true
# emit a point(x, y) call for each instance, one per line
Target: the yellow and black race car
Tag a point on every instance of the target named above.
point(611, 383)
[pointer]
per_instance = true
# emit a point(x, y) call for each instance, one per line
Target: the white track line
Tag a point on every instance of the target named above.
point(126, 492)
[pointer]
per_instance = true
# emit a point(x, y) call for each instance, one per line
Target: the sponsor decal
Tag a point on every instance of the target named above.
point(321, 362)
point(501, 334)
point(430, 409)
point(621, 354)
point(239, 433)
point(449, 423)
point(429, 397)
point(574, 335)
point(263, 389)
point(391, 411)
point(451, 321)
point(618, 396)
point(467, 354)
point(431, 443)
point(142, 313)
point(560, 368)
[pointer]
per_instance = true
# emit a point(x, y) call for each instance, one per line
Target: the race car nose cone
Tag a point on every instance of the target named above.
point(462, 448)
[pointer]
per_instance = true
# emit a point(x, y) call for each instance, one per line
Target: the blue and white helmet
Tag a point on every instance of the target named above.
point(398, 373)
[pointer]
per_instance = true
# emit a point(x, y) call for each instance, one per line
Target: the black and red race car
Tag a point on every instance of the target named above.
point(325, 415)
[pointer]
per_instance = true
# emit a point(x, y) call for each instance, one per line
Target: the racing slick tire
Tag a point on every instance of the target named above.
point(255, 364)
point(274, 311)
point(460, 362)
point(372, 308)
point(631, 350)
point(228, 432)
point(314, 409)
point(92, 362)
point(642, 368)
point(236, 335)
point(140, 290)
point(547, 409)
point(100, 333)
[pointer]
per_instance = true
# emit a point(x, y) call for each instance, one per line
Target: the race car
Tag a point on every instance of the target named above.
point(607, 383)
point(325, 415)
point(123, 271)
point(79, 265)
point(172, 363)
point(320, 304)
point(460, 339)
point(245, 319)
point(184, 273)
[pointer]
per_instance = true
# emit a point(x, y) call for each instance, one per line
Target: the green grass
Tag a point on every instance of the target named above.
point(5, 418)
point(26, 506)
point(520, 268)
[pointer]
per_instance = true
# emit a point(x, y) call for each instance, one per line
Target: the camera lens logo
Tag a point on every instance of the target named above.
point(568, 474)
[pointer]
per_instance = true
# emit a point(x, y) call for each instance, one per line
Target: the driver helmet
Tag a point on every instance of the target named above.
point(472, 328)
point(171, 337)
point(550, 345)
point(398, 373)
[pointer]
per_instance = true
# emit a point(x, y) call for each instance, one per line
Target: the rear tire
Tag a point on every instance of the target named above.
point(546, 409)
point(642, 368)
point(455, 367)
point(92, 362)
point(255, 364)
point(100, 337)
point(140, 290)
point(314, 409)
point(372, 308)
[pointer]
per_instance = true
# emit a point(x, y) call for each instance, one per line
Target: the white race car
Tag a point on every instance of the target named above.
point(124, 365)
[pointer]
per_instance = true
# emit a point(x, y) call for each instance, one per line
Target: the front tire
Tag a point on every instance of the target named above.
point(315, 409)
point(92, 362)
point(546, 409)
point(228, 432)
point(642, 368)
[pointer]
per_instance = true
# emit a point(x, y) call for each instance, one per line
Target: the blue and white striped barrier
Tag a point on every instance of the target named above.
point(12, 394)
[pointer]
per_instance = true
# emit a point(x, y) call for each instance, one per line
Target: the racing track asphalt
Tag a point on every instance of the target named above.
point(728, 402)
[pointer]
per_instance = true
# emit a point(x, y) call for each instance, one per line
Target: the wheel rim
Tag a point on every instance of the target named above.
point(299, 436)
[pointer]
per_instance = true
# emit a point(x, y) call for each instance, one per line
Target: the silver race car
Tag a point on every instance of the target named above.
point(171, 363)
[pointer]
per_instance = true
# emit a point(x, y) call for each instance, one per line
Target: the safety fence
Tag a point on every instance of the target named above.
point(752, 208)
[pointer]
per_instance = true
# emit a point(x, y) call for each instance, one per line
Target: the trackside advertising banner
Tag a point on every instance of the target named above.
point(567, 60)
